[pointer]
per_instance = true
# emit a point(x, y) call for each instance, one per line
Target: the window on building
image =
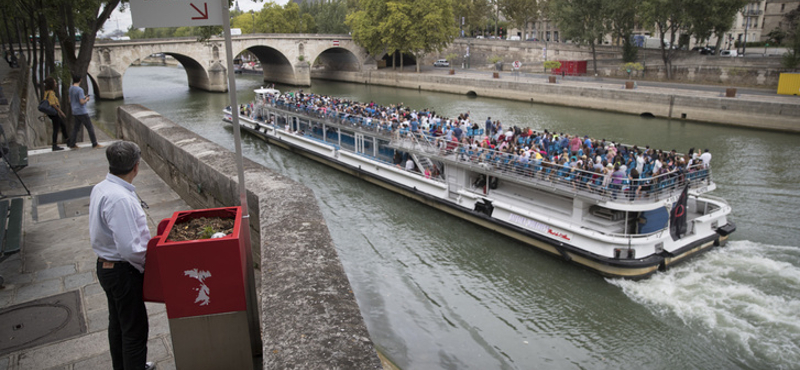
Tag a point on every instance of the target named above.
point(783, 6)
point(555, 36)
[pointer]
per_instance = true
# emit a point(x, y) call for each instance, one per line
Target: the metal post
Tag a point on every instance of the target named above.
point(252, 302)
point(746, 26)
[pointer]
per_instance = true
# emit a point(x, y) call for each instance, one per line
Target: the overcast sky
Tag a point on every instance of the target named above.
point(122, 20)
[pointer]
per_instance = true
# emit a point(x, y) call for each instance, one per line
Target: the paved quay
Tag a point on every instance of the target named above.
point(56, 267)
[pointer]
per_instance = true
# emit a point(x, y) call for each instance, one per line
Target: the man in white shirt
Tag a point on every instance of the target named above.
point(119, 236)
point(706, 158)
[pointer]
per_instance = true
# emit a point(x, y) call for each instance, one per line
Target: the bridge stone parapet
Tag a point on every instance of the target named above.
point(285, 58)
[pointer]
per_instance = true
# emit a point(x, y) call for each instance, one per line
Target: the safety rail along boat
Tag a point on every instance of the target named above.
point(611, 229)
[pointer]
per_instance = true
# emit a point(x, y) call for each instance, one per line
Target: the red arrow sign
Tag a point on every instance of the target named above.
point(202, 15)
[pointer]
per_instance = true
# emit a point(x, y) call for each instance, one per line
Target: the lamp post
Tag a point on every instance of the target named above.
point(746, 26)
point(253, 21)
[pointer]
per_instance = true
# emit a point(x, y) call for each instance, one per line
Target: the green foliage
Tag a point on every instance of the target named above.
point(451, 57)
point(365, 23)
point(328, 16)
point(495, 59)
point(244, 21)
point(776, 36)
point(629, 67)
point(552, 64)
point(520, 12)
point(582, 21)
point(475, 13)
point(791, 59)
point(408, 26)
point(630, 52)
point(207, 233)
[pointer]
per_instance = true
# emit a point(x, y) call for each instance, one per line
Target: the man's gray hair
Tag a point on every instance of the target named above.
point(122, 157)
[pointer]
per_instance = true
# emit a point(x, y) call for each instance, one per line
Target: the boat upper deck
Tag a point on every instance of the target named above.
point(544, 174)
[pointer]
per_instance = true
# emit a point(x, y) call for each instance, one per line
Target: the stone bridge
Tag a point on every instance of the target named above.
point(284, 58)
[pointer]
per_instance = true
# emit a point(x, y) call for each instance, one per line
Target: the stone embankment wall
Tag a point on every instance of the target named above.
point(732, 111)
point(688, 66)
point(21, 120)
point(309, 316)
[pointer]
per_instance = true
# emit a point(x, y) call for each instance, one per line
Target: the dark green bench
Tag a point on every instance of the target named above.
point(11, 221)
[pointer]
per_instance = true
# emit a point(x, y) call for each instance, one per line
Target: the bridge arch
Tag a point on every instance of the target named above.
point(275, 65)
point(337, 59)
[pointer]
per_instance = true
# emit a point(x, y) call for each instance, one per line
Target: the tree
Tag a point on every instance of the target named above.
point(328, 16)
point(365, 23)
point(434, 28)
point(669, 17)
point(620, 24)
point(520, 12)
point(474, 12)
point(415, 27)
point(245, 21)
point(713, 17)
point(791, 59)
point(777, 36)
point(582, 21)
point(395, 29)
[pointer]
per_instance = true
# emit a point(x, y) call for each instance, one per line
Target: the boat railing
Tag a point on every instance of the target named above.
point(336, 117)
point(562, 177)
point(541, 173)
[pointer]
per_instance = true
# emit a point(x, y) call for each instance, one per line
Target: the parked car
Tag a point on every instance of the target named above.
point(479, 37)
point(532, 39)
point(705, 50)
point(728, 53)
point(513, 38)
point(709, 50)
point(441, 63)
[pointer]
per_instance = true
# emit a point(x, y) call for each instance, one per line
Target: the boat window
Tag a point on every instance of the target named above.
point(654, 220)
point(385, 153)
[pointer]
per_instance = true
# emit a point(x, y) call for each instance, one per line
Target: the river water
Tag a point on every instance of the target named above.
point(439, 293)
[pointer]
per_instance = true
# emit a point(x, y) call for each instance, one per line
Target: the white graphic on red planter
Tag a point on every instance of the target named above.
point(202, 292)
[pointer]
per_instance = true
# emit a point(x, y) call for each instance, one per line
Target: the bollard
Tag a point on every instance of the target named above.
point(730, 92)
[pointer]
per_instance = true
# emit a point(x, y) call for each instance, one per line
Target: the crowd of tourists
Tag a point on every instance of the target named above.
point(582, 161)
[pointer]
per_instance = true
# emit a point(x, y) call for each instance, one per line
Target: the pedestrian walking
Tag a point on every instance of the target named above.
point(58, 119)
point(77, 101)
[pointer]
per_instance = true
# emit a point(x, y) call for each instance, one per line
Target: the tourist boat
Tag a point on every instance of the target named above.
point(612, 231)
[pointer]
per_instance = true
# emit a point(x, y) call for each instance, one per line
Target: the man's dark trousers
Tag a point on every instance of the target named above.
point(127, 316)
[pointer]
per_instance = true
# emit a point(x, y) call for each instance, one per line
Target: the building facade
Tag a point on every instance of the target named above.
point(774, 15)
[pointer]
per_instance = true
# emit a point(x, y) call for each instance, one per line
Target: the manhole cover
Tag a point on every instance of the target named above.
point(41, 321)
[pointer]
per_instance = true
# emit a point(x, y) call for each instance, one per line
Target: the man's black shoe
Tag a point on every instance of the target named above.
point(150, 366)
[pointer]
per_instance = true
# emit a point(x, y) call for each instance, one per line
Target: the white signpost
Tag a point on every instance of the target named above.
point(517, 64)
point(187, 13)
point(176, 13)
